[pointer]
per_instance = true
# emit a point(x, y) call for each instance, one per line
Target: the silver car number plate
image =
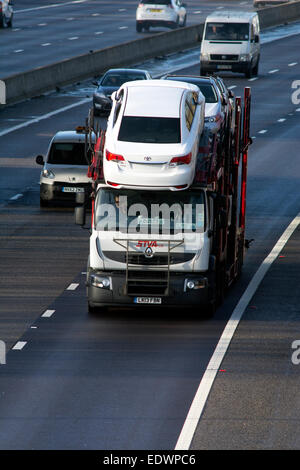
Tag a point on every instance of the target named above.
point(71, 189)
point(147, 300)
point(224, 67)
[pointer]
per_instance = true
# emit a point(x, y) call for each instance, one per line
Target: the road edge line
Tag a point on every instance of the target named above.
point(206, 383)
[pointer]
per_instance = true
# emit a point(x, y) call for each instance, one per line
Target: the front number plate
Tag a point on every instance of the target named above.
point(147, 300)
point(67, 189)
point(224, 67)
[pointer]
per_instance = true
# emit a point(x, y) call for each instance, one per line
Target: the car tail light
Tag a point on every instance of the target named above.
point(185, 160)
point(112, 157)
point(181, 186)
point(112, 184)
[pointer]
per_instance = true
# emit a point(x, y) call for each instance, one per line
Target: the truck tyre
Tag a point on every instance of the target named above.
point(139, 27)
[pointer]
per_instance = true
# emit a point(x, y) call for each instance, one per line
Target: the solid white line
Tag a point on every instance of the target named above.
point(50, 6)
point(196, 409)
point(48, 313)
point(19, 345)
point(45, 116)
point(72, 286)
point(17, 196)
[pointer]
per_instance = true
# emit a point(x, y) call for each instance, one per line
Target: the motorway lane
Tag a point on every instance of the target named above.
point(129, 377)
point(41, 36)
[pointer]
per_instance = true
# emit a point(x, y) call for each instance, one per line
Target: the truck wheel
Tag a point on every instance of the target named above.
point(248, 73)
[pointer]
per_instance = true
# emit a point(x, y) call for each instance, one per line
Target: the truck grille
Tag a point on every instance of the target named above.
point(224, 57)
point(147, 283)
point(158, 259)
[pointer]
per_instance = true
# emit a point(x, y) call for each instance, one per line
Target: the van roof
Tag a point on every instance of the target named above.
point(231, 16)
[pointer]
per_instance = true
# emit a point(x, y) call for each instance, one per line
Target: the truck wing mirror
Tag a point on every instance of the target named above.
point(80, 215)
point(40, 160)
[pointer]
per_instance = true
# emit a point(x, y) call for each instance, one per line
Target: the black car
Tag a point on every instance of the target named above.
point(110, 82)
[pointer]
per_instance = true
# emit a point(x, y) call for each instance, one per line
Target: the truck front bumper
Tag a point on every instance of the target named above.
point(179, 293)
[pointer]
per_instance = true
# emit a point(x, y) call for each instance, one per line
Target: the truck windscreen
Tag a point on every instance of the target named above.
point(71, 153)
point(152, 130)
point(227, 31)
point(158, 212)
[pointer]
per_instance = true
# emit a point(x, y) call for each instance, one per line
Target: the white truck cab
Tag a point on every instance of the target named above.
point(231, 43)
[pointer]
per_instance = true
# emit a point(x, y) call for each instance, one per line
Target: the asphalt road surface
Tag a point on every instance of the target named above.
point(126, 379)
point(50, 31)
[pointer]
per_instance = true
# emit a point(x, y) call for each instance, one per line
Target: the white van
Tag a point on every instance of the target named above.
point(231, 43)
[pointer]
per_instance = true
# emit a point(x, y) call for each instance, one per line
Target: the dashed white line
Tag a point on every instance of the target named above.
point(292, 64)
point(99, 32)
point(122, 9)
point(73, 38)
point(298, 109)
point(123, 27)
point(19, 50)
point(46, 44)
point(252, 79)
point(281, 120)
point(231, 87)
point(204, 388)
point(48, 313)
point(72, 286)
point(16, 197)
point(42, 24)
point(19, 345)
point(273, 71)
point(70, 19)
point(263, 131)
point(197, 12)
point(95, 14)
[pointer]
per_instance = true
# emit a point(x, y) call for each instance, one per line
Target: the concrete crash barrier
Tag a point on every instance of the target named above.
point(43, 79)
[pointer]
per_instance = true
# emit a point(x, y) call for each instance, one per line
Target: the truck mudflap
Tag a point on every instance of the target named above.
point(148, 288)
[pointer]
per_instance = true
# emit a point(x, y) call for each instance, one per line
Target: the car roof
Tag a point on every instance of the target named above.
point(149, 98)
point(231, 16)
point(69, 136)
point(125, 70)
point(199, 79)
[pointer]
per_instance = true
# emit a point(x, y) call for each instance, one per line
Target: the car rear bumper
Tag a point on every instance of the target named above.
point(59, 192)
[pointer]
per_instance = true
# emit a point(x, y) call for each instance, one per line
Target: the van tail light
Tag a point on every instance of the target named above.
point(185, 160)
point(112, 157)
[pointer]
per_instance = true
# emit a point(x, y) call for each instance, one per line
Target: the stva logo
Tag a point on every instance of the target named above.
point(147, 243)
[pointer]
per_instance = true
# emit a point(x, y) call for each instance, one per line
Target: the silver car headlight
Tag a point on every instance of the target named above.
point(204, 56)
point(244, 57)
point(48, 174)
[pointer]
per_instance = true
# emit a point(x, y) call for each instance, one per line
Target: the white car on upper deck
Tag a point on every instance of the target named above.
point(152, 136)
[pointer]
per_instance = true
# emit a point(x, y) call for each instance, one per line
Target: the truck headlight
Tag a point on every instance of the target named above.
point(100, 281)
point(192, 284)
point(48, 174)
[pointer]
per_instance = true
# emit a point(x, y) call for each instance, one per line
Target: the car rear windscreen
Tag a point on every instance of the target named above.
point(154, 130)
point(156, 2)
point(67, 154)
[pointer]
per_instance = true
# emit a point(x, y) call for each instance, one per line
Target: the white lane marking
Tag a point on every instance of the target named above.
point(197, 12)
point(73, 38)
point(42, 24)
point(45, 116)
point(99, 32)
point(198, 404)
point(281, 120)
point(298, 109)
point(95, 14)
point(70, 19)
point(17, 196)
point(123, 27)
point(46, 44)
point(48, 313)
point(122, 9)
point(263, 131)
point(231, 87)
point(72, 286)
point(19, 50)
point(54, 5)
point(273, 71)
point(252, 79)
point(292, 64)
point(16, 29)
point(19, 345)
